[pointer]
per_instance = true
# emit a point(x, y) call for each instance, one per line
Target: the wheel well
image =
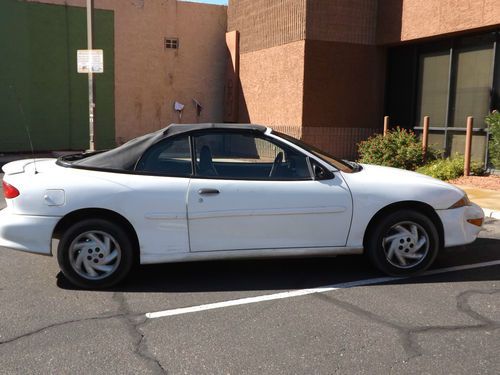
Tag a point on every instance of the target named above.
point(420, 207)
point(99, 213)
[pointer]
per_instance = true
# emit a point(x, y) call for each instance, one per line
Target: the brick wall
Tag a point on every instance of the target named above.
point(272, 85)
point(352, 21)
point(267, 23)
point(404, 20)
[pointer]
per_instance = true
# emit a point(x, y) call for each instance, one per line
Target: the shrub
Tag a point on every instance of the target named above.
point(399, 148)
point(493, 122)
point(449, 168)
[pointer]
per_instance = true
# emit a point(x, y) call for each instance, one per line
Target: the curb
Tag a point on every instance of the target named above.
point(491, 213)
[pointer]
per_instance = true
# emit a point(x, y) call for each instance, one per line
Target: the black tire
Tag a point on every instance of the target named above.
point(117, 247)
point(386, 233)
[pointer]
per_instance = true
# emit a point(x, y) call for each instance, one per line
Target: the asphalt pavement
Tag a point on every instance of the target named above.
point(445, 322)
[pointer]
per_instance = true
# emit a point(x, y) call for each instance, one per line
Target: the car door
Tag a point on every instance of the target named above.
point(250, 192)
point(158, 199)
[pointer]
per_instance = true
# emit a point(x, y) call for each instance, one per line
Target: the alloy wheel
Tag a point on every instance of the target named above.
point(406, 244)
point(94, 255)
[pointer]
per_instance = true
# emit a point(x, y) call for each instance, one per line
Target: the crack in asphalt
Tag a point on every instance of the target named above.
point(407, 333)
point(135, 322)
point(55, 325)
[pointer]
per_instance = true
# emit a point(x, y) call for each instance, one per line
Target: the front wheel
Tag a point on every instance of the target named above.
point(403, 243)
point(95, 253)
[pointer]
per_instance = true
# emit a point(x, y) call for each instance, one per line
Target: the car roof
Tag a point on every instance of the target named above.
point(175, 129)
point(125, 156)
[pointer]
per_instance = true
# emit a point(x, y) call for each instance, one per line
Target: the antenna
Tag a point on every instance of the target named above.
point(21, 109)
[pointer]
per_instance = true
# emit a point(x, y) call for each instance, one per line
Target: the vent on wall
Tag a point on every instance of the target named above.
point(171, 43)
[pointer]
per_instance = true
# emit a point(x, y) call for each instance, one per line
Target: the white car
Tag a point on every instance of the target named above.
point(221, 191)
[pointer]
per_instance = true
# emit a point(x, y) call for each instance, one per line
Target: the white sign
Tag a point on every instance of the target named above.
point(90, 61)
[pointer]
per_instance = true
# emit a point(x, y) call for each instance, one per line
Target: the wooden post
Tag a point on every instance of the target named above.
point(386, 125)
point(468, 145)
point(425, 136)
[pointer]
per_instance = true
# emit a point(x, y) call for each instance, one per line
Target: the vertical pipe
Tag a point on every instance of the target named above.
point(468, 145)
point(386, 125)
point(90, 77)
point(425, 136)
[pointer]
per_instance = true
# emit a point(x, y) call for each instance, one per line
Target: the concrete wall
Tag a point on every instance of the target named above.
point(405, 20)
point(149, 78)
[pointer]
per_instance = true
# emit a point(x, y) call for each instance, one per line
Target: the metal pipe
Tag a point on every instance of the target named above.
point(386, 125)
point(425, 136)
point(468, 145)
point(90, 5)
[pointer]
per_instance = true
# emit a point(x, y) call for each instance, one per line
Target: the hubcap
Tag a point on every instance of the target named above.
point(94, 255)
point(406, 244)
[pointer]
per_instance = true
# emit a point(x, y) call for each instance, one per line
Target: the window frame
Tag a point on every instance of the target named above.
point(171, 43)
point(310, 160)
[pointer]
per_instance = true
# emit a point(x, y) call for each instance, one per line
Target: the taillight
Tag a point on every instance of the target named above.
point(9, 191)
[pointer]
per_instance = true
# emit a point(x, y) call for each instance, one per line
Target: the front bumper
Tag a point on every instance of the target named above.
point(27, 233)
point(457, 230)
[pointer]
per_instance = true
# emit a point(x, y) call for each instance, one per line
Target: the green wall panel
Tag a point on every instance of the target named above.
point(38, 76)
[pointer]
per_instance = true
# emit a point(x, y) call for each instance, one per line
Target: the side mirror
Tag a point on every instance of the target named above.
point(320, 173)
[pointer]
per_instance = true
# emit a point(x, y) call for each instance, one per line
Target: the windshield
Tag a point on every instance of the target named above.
point(337, 163)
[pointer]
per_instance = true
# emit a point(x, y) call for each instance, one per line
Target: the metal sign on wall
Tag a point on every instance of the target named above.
point(90, 61)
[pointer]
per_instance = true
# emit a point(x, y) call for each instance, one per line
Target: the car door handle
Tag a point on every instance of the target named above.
point(208, 191)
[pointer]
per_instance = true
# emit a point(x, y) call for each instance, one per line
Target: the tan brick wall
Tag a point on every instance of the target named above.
point(148, 78)
point(272, 82)
point(343, 85)
point(404, 20)
point(352, 21)
point(267, 23)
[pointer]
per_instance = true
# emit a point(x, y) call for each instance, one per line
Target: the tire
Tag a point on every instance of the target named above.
point(95, 254)
point(403, 243)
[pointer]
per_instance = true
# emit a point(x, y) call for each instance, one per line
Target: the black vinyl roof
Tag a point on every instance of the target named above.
point(126, 156)
point(175, 129)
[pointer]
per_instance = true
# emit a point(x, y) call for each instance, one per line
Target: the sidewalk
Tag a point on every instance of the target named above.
point(489, 200)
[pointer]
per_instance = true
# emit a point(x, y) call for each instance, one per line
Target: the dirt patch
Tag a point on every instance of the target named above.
point(482, 182)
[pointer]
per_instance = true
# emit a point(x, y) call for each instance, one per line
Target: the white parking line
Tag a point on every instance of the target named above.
point(303, 292)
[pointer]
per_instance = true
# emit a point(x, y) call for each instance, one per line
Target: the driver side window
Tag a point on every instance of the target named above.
point(241, 155)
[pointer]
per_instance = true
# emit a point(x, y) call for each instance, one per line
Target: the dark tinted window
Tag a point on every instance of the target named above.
point(247, 156)
point(171, 157)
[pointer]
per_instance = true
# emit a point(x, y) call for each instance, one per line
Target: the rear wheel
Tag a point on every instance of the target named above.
point(403, 243)
point(95, 253)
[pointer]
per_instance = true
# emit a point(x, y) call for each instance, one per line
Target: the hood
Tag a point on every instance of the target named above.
point(393, 184)
point(409, 176)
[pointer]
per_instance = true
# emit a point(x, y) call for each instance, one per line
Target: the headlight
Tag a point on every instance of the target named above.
point(464, 201)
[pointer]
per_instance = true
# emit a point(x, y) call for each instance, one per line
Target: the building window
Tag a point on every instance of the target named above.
point(448, 81)
point(433, 87)
point(171, 43)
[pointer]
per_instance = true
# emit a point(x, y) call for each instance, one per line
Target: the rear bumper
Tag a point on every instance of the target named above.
point(457, 231)
point(27, 233)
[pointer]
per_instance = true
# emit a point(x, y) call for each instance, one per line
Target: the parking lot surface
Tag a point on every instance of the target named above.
point(447, 321)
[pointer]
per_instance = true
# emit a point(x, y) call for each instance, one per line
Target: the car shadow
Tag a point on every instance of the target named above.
point(285, 274)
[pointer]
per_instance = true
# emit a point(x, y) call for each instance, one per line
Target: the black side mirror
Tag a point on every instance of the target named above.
point(320, 173)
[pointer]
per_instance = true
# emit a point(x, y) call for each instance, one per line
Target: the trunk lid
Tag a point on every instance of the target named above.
point(28, 165)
